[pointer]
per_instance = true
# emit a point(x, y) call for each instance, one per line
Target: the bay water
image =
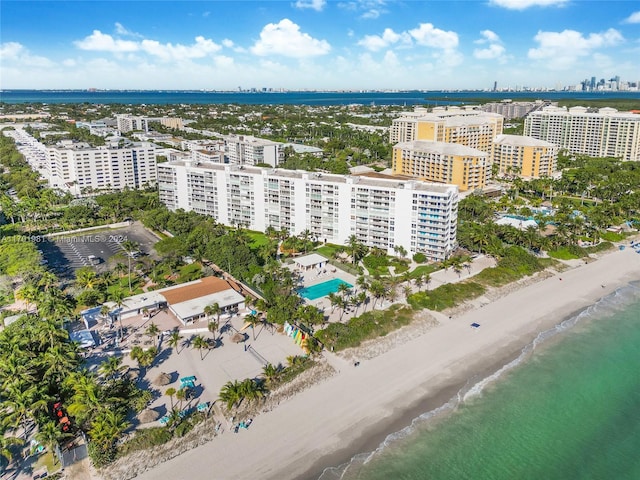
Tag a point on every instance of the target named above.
point(567, 408)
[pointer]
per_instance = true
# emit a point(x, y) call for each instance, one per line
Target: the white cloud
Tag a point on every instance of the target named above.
point(285, 38)
point(429, 36)
point(201, 48)
point(524, 4)
point(389, 37)
point(10, 50)
point(371, 9)
point(488, 37)
point(633, 18)
point(492, 51)
point(316, 5)
point(122, 30)
point(103, 42)
point(16, 54)
point(562, 49)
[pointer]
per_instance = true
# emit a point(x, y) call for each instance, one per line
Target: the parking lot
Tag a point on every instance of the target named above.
point(65, 254)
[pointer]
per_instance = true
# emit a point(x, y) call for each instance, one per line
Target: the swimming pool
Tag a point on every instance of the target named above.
point(322, 289)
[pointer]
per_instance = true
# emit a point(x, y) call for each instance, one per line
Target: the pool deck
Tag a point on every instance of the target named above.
point(311, 277)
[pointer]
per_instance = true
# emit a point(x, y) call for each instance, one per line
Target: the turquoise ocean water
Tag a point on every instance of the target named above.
point(567, 408)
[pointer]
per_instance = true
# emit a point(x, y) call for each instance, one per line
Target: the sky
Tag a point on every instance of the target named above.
point(316, 44)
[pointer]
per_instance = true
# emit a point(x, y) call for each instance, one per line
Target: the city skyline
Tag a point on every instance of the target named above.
point(316, 44)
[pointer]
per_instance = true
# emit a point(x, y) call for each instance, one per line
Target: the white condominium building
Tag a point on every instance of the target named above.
point(380, 212)
point(524, 156)
point(77, 167)
point(129, 123)
point(510, 109)
point(606, 133)
point(248, 150)
point(471, 128)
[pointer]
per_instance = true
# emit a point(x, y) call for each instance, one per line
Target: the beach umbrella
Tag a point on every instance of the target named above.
point(162, 379)
point(148, 415)
point(238, 337)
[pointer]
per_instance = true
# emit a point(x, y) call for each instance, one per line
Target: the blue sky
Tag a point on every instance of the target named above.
point(316, 44)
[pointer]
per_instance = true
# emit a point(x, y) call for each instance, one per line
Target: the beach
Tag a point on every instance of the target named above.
point(354, 410)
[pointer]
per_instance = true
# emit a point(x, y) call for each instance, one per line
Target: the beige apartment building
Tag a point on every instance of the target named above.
point(471, 128)
point(524, 156)
point(442, 162)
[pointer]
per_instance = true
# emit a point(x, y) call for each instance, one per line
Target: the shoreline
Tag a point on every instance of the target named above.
point(354, 411)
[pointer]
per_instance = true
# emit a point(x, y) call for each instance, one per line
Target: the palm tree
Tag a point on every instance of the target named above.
point(47, 280)
point(107, 427)
point(86, 277)
point(213, 309)
point(49, 434)
point(22, 403)
point(362, 282)
point(407, 291)
point(104, 311)
point(378, 290)
point(426, 277)
point(57, 362)
point(357, 249)
point(253, 320)
point(271, 372)
point(200, 343)
point(117, 297)
point(181, 395)
point(6, 442)
point(130, 248)
point(344, 289)
point(174, 340)
point(213, 328)
point(111, 367)
point(152, 330)
point(361, 299)
point(170, 393)
point(231, 393)
point(334, 300)
point(28, 293)
point(343, 303)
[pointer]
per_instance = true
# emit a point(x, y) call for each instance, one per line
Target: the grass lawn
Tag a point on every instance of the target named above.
point(563, 253)
point(257, 239)
point(368, 325)
point(446, 296)
point(423, 270)
point(46, 460)
point(612, 236)
point(328, 249)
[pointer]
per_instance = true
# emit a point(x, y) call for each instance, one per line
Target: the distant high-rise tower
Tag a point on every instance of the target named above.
point(593, 83)
point(495, 86)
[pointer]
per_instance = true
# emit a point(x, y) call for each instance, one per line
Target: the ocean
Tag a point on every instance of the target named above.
point(410, 98)
point(567, 408)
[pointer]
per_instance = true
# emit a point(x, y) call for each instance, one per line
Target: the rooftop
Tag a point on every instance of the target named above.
point(442, 148)
point(391, 182)
point(521, 141)
point(193, 290)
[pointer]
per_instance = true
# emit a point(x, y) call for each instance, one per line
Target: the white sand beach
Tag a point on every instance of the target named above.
point(353, 410)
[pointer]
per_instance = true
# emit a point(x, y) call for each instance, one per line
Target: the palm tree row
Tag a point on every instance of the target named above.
point(234, 392)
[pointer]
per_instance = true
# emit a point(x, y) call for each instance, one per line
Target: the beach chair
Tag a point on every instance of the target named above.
point(203, 407)
point(164, 420)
